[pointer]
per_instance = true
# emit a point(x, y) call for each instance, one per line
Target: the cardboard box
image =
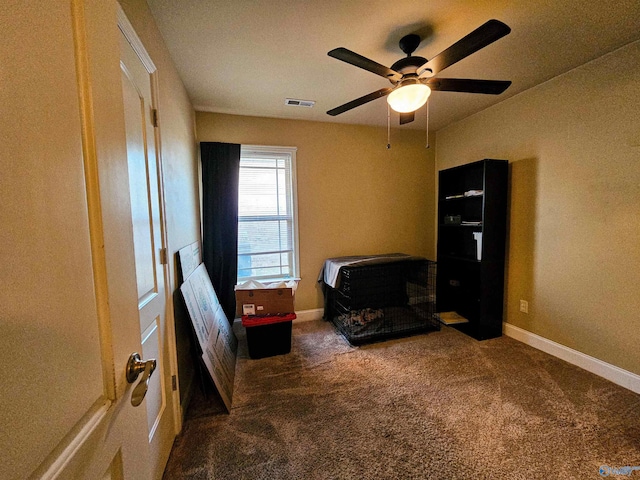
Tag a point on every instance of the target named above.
point(265, 301)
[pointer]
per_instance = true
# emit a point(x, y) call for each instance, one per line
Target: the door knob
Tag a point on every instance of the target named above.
point(135, 366)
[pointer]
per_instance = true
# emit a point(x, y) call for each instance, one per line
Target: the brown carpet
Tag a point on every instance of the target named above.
point(433, 406)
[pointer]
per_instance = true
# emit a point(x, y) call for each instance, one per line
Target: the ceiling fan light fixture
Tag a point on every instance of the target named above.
point(409, 98)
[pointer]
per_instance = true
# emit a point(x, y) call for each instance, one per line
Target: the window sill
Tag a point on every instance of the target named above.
point(267, 281)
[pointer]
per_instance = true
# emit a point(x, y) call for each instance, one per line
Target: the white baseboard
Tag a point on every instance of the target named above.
point(308, 315)
point(612, 373)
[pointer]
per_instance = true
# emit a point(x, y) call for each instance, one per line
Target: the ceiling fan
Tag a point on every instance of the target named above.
point(413, 78)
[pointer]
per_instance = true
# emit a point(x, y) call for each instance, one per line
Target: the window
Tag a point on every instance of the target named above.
point(267, 214)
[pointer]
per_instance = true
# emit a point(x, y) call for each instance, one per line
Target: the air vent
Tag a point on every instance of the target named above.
point(299, 103)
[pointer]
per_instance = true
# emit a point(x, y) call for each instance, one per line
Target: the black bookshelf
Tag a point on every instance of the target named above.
point(472, 205)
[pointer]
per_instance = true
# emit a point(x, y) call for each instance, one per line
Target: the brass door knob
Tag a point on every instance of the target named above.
point(136, 366)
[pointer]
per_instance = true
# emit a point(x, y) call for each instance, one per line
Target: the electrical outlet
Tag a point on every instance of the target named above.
point(524, 306)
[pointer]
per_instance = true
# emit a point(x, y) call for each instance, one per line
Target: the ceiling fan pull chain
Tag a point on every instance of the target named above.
point(388, 127)
point(427, 110)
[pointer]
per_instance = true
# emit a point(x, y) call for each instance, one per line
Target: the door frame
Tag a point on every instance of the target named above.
point(132, 37)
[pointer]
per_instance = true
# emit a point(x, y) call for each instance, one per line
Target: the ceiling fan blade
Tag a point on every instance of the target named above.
point(363, 62)
point(491, 87)
point(359, 101)
point(476, 40)
point(407, 117)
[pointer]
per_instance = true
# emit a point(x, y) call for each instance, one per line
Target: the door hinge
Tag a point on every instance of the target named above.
point(163, 256)
point(154, 117)
point(174, 383)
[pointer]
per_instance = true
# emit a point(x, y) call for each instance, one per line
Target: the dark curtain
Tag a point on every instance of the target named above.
point(220, 175)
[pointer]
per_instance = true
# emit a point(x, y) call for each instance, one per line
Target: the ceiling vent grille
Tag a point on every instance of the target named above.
point(299, 103)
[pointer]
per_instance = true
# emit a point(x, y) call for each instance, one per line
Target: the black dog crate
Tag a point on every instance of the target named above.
point(378, 301)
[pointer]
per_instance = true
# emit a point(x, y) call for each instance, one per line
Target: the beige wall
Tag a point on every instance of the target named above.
point(355, 197)
point(574, 242)
point(180, 167)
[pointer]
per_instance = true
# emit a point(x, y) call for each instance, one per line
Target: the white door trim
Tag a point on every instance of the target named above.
point(132, 37)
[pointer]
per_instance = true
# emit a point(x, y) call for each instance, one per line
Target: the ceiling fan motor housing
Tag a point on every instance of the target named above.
point(407, 66)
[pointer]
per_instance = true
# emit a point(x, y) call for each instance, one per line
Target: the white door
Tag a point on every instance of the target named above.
point(69, 298)
point(146, 205)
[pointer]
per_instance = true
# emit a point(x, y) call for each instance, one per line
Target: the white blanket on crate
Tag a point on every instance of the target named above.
point(329, 273)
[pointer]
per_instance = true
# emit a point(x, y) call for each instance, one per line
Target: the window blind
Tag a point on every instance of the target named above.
point(266, 220)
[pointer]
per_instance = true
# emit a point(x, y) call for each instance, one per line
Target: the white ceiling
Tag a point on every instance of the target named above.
point(246, 56)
